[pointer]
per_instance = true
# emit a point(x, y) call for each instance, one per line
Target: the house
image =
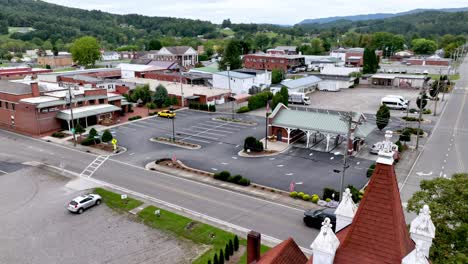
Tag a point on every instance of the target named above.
point(35, 108)
point(273, 61)
point(339, 53)
point(238, 83)
point(110, 56)
point(374, 232)
point(16, 73)
point(127, 55)
point(354, 57)
point(283, 50)
point(55, 61)
point(337, 78)
point(399, 80)
point(184, 55)
point(302, 85)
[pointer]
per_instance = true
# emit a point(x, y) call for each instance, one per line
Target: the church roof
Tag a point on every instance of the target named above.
point(378, 233)
point(285, 253)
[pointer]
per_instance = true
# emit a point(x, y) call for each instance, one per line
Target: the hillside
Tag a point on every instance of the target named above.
point(424, 24)
point(376, 16)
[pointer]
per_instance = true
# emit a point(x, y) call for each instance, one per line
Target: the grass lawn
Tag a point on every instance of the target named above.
point(198, 232)
point(65, 69)
point(114, 201)
point(451, 77)
point(227, 32)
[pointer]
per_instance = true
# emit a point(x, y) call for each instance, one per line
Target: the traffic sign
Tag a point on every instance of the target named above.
point(114, 141)
point(73, 130)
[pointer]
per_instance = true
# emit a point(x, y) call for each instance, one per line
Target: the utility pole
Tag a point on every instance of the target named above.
point(181, 90)
point(420, 115)
point(348, 118)
point(70, 97)
point(230, 90)
point(173, 130)
point(266, 124)
point(437, 92)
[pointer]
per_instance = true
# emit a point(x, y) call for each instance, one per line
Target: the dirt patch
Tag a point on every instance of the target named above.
point(234, 259)
point(191, 225)
point(176, 165)
point(262, 153)
point(176, 142)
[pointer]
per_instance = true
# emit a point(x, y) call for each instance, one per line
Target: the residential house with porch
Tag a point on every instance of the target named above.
point(373, 232)
point(184, 55)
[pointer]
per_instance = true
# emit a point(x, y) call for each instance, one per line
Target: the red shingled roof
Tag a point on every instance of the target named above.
point(378, 233)
point(285, 253)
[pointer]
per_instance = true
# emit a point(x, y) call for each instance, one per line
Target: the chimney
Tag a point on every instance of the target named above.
point(35, 89)
point(325, 244)
point(253, 247)
point(386, 149)
point(422, 230)
point(345, 211)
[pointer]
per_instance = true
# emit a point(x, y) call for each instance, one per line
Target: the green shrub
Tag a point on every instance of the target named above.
point(328, 200)
point(293, 195)
point(235, 178)
point(151, 105)
point(58, 135)
point(212, 108)
point(412, 119)
point(370, 170)
point(134, 118)
point(231, 247)
point(226, 251)
point(300, 195)
point(328, 193)
point(306, 197)
point(400, 146)
point(221, 256)
point(106, 136)
point(427, 111)
point(152, 114)
point(243, 109)
point(249, 143)
point(236, 243)
point(259, 100)
point(354, 193)
point(90, 141)
point(92, 133)
point(244, 182)
point(315, 198)
point(223, 176)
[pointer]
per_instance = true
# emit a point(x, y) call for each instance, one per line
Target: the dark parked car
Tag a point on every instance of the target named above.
point(315, 218)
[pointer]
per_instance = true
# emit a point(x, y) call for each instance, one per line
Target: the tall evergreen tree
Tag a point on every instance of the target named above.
point(221, 257)
point(227, 252)
point(236, 243)
point(231, 56)
point(231, 247)
point(382, 118)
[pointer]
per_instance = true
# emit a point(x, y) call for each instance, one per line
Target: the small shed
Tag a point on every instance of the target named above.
point(303, 85)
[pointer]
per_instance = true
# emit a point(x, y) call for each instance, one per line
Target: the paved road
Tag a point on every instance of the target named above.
point(446, 151)
point(268, 218)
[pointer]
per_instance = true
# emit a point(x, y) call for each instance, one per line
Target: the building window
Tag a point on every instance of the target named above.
point(1, 103)
point(254, 60)
point(101, 101)
point(6, 105)
point(281, 61)
point(13, 107)
point(91, 102)
point(80, 103)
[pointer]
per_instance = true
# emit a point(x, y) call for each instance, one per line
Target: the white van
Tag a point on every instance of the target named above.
point(394, 103)
point(402, 99)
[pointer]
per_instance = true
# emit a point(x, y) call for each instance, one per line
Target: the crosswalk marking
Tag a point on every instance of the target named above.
point(93, 166)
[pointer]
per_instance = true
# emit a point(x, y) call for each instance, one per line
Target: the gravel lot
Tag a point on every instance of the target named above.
point(36, 227)
point(365, 100)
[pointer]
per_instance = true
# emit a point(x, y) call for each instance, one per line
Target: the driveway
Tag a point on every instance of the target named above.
point(36, 227)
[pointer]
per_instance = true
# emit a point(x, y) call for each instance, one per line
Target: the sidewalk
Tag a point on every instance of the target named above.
point(259, 191)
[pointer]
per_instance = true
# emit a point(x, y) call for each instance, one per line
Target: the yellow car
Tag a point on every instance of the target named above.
point(167, 114)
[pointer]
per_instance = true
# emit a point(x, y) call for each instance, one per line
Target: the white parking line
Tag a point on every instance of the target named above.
point(216, 134)
point(4, 172)
point(134, 124)
point(198, 136)
point(199, 140)
point(229, 124)
point(213, 129)
point(126, 128)
point(204, 131)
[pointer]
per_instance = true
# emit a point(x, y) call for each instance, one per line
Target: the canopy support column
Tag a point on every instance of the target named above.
point(289, 134)
point(328, 142)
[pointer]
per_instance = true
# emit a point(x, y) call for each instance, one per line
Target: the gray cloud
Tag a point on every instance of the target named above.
point(257, 11)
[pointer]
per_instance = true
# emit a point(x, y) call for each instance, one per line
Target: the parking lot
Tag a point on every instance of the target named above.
point(37, 228)
point(221, 143)
point(364, 100)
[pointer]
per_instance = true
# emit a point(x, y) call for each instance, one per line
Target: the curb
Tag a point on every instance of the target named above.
point(232, 122)
point(175, 145)
point(257, 190)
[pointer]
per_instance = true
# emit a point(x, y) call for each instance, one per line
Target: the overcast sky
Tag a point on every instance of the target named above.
point(257, 11)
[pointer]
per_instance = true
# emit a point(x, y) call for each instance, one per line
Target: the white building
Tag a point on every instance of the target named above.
point(339, 54)
point(135, 70)
point(303, 85)
point(110, 56)
point(240, 83)
point(337, 78)
point(262, 78)
point(184, 55)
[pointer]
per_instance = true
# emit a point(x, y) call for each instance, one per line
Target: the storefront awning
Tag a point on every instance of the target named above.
point(85, 111)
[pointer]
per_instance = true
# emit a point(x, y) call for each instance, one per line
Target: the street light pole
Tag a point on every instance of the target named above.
point(437, 92)
point(173, 130)
point(181, 90)
point(71, 114)
point(230, 90)
point(348, 118)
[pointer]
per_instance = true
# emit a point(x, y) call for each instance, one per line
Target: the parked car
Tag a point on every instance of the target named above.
point(81, 203)
point(315, 218)
point(374, 150)
point(167, 114)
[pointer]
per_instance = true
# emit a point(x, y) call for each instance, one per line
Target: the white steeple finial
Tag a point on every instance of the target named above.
point(416, 256)
point(422, 230)
point(345, 211)
point(386, 149)
point(325, 244)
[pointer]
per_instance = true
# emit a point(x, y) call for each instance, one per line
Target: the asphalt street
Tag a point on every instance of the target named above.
point(248, 212)
point(446, 151)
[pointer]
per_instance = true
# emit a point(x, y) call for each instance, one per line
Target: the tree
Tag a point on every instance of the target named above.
point(92, 133)
point(285, 95)
point(277, 98)
point(276, 76)
point(154, 44)
point(435, 88)
point(227, 252)
point(382, 117)
point(226, 23)
point(79, 129)
point(3, 27)
point(262, 41)
point(231, 247)
point(236, 243)
point(423, 46)
point(142, 93)
point(316, 47)
point(47, 45)
point(221, 256)
point(215, 259)
point(231, 56)
point(85, 51)
point(446, 199)
point(371, 63)
point(106, 136)
point(421, 102)
point(160, 96)
point(405, 136)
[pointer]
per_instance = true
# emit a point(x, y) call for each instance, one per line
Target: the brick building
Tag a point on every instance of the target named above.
point(273, 61)
point(16, 73)
point(355, 57)
point(32, 109)
point(55, 61)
